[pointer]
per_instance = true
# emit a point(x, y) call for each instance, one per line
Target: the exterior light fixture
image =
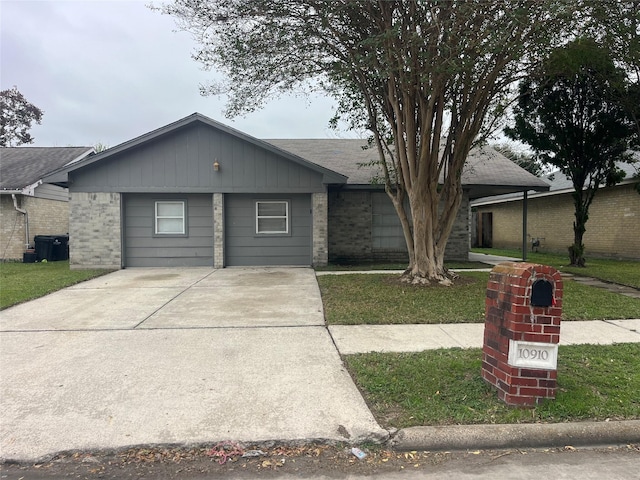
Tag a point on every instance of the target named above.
point(216, 166)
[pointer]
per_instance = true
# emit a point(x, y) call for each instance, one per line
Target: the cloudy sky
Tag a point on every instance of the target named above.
point(108, 71)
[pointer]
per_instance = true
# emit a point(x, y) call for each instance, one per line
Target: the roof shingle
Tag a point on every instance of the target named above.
point(23, 166)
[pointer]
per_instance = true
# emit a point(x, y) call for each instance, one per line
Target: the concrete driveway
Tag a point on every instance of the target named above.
point(174, 356)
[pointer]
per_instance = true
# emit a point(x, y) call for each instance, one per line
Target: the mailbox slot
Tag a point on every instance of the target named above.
point(542, 293)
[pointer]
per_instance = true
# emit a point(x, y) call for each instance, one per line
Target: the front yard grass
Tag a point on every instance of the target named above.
point(20, 282)
point(624, 272)
point(377, 299)
point(445, 387)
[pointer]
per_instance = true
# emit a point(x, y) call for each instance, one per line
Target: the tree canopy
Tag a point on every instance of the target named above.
point(425, 78)
point(16, 117)
point(526, 160)
point(570, 112)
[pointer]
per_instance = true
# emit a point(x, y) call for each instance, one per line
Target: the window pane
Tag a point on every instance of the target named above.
point(170, 225)
point(272, 209)
point(272, 225)
point(170, 209)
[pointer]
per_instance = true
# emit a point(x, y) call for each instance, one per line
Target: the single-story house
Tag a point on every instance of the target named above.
point(28, 206)
point(613, 228)
point(199, 193)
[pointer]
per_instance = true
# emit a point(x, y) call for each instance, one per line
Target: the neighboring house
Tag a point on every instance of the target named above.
point(613, 229)
point(29, 207)
point(197, 192)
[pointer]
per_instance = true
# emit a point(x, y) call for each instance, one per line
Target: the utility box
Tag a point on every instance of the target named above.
point(523, 309)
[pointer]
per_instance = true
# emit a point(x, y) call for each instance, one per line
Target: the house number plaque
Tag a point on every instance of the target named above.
point(533, 355)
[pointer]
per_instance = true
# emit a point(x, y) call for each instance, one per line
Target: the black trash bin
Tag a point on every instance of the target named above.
point(44, 247)
point(60, 248)
point(52, 247)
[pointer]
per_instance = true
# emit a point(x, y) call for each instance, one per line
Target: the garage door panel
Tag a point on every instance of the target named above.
point(169, 262)
point(244, 248)
point(145, 249)
point(189, 242)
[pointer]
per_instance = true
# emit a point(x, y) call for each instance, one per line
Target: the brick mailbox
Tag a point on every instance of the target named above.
point(523, 309)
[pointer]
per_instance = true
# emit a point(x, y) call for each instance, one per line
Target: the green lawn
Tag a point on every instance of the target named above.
point(625, 272)
point(443, 387)
point(20, 282)
point(381, 299)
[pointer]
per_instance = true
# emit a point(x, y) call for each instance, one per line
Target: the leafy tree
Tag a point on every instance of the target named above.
point(569, 112)
point(616, 26)
point(100, 147)
point(526, 160)
point(425, 78)
point(16, 117)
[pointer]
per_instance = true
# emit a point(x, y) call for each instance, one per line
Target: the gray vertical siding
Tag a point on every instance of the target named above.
point(244, 248)
point(182, 161)
point(142, 249)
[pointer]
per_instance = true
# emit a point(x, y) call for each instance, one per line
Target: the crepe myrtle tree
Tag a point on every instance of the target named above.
point(424, 78)
point(570, 113)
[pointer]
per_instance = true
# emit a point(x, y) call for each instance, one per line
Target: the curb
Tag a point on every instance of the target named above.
point(483, 437)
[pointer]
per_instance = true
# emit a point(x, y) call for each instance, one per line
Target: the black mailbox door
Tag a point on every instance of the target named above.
point(542, 293)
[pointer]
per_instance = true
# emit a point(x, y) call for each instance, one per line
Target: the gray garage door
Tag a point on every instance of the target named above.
point(268, 230)
point(168, 230)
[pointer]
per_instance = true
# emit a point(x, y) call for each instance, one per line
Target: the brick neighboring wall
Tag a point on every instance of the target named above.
point(95, 239)
point(350, 230)
point(613, 228)
point(46, 217)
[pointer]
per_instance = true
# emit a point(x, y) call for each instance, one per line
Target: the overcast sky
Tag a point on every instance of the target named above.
point(108, 71)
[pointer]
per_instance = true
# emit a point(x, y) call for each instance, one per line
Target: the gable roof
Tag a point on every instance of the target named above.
point(341, 161)
point(486, 172)
point(329, 176)
point(23, 167)
point(559, 183)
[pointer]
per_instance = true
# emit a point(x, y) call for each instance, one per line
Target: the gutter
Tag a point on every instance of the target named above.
point(26, 219)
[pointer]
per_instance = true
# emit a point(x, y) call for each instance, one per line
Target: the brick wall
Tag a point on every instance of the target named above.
point(349, 226)
point(46, 217)
point(95, 237)
point(458, 245)
point(319, 206)
point(350, 230)
point(613, 229)
point(218, 230)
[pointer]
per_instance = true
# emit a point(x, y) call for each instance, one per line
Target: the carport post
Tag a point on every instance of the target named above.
point(524, 227)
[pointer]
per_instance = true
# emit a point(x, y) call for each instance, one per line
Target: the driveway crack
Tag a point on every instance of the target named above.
point(171, 300)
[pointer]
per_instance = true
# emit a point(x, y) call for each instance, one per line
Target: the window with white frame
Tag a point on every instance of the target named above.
point(272, 217)
point(170, 218)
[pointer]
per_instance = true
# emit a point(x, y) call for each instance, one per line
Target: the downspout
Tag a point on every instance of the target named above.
point(26, 220)
point(524, 225)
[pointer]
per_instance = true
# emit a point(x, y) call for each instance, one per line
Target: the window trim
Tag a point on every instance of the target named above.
point(183, 217)
point(286, 216)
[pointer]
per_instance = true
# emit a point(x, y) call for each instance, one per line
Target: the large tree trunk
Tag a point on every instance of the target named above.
point(576, 251)
point(427, 235)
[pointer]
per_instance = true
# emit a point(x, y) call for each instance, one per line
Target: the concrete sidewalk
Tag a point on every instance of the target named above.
point(352, 339)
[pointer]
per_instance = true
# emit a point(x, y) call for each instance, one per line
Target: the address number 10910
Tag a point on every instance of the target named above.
point(533, 355)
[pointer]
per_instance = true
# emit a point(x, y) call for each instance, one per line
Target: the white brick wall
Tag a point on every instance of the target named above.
point(95, 239)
